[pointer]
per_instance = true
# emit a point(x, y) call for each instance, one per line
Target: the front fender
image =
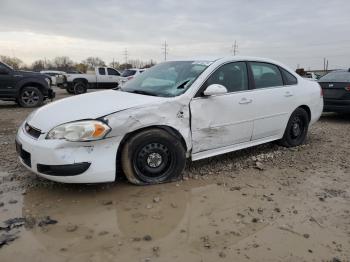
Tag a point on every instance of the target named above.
point(32, 80)
point(170, 114)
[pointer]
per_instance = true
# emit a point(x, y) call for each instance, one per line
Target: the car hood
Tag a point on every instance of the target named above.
point(29, 73)
point(87, 106)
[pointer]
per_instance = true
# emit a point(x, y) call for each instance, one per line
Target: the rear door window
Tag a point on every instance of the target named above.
point(266, 75)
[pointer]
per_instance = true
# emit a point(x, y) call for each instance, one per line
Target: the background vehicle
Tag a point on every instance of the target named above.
point(173, 111)
point(129, 74)
point(28, 89)
point(311, 76)
point(58, 78)
point(102, 77)
point(336, 91)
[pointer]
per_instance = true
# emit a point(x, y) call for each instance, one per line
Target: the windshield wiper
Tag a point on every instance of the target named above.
point(142, 92)
point(182, 85)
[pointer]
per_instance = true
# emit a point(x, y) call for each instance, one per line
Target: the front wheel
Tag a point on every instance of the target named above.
point(152, 157)
point(296, 130)
point(70, 89)
point(30, 97)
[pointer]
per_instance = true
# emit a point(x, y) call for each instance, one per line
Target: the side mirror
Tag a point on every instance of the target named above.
point(3, 71)
point(215, 89)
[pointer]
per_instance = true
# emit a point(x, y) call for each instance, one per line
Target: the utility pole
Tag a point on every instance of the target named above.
point(234, 49)
point(165, 50)
point(125, 53)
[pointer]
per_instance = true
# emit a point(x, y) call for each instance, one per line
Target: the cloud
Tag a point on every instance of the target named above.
point(295, 32)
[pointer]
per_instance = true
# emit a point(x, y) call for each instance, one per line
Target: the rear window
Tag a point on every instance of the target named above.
point(128, 72)
point(336, 76)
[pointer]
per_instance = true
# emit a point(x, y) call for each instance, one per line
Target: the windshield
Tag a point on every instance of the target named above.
point(128, 72)
point(5, 66)
point(167, 79)
point(336, 76)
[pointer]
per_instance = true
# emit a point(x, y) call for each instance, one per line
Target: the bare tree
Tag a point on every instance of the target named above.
point(81, 67)
point(38, 65)
point(63, 63)
point(93, 62)
point(11, 61)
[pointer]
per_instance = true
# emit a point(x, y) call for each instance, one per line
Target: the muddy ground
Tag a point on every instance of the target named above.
point(266, 203)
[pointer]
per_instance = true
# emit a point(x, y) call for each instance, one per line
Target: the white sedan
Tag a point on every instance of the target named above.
point(173, 111)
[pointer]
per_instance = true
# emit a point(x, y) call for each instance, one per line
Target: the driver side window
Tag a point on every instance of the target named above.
point(233, 76)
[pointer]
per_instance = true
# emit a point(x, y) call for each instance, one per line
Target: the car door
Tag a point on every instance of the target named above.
point(222, 120)
point(113, 76)
point(273, 101)
point(102, 78)
point(7, 82)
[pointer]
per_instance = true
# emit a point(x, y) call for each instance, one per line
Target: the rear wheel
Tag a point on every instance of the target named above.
point(152, 157)
point(30, 97)
point(79, 88)
point(296, 130)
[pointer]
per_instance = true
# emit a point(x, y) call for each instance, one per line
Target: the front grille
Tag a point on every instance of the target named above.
point(32, 131)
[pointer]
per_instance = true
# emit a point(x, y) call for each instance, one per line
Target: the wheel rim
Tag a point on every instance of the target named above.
point(153, 161)
point(79, 89)
point(30, 97)
point(297, 128)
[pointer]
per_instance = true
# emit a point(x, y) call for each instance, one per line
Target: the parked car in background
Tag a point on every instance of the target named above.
point(129, 74)
point(336, 91)
point(100, 78)
point(311, 76)
point(58, 78)
point(28, 89)
point(173, 111)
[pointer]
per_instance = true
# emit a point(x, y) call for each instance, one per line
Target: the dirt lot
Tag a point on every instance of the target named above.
point(266, 203)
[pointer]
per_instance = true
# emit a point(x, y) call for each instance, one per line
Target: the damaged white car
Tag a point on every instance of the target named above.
point(173, 111)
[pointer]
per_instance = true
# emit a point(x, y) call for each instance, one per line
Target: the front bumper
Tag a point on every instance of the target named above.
point(51, 94)
point(63, 161)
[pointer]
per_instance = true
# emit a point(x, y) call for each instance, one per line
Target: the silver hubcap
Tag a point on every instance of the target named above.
point(154, 160)
point(296, 129)
point(30, 97)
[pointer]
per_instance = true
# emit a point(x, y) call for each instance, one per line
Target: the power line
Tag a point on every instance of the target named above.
point(165, 50)
point(125, 53)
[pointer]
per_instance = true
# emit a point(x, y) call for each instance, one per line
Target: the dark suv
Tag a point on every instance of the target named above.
point(28, 89)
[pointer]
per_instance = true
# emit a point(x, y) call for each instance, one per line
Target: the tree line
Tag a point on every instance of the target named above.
point(64, 63)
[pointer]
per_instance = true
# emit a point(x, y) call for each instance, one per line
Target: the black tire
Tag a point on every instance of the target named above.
point(152, 157)
point(70, 89)
point(296, 130)
point(30, 97)
point(79, 88)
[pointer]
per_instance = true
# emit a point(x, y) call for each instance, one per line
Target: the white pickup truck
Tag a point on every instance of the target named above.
point(100, 78)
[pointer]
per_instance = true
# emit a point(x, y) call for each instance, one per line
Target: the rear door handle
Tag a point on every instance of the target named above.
point(245, 101)
point(288, 94)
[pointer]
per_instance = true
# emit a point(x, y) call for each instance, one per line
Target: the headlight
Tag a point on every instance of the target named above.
point(80, 131)
point(48, 80)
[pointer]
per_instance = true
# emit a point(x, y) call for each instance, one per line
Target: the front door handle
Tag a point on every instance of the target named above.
point(245, 101)
point(288, 94)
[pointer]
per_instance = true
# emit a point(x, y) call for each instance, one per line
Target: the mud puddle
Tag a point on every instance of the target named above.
point(193, 220)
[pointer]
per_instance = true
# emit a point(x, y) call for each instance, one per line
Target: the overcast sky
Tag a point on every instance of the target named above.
point(293, 32)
